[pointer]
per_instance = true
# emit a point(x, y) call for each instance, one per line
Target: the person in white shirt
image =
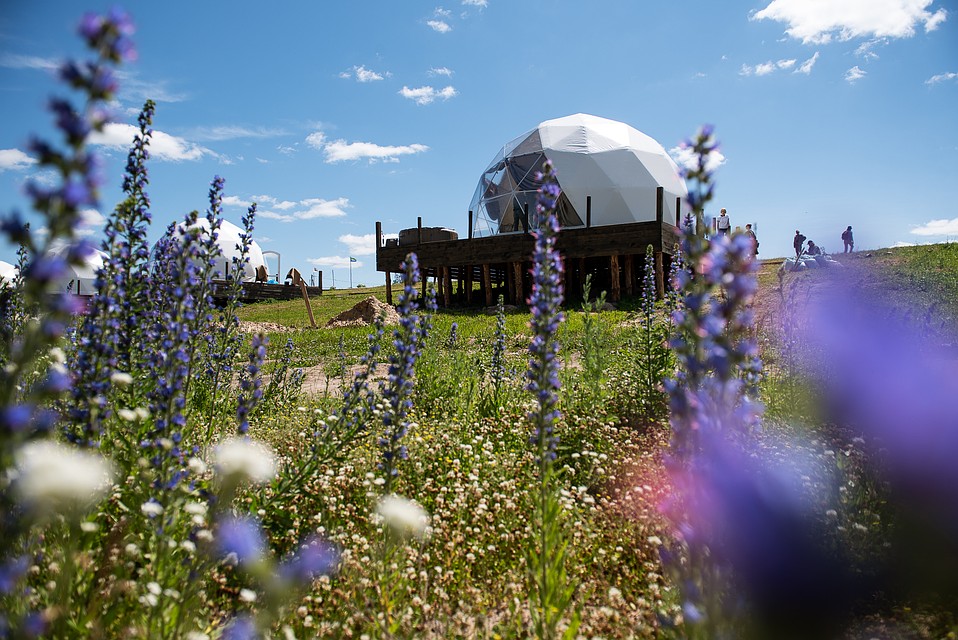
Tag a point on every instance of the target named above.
point(724, 223)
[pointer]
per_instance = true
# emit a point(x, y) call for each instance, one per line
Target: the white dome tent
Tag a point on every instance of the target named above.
point(228, 240)
point(617, 165)
point(8, 272)
point(78, 279)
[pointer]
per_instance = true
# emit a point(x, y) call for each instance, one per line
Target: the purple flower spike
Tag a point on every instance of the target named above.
point(242, 539)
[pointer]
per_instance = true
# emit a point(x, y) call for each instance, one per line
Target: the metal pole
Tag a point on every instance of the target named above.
point(350, 273)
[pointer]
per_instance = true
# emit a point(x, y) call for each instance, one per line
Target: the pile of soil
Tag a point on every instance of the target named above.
point(364, 313)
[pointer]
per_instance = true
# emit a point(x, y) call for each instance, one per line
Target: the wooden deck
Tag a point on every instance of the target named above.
point(482, 268)
point(260, 291)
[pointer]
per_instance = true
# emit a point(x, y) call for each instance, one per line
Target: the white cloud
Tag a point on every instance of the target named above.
point(427, 94)
point(316, 140)
point(341, 150)
point(233, 132)
point(286, 149)
point(819, 21)
point(364, 245)
point(865, 51)
point(270, 207)
point(333, 261)
point(90, 221)
point(362, 74)
point(441, 71)
point(765, 68)
point(684, 157)
point(439, 26)
point(307, 209)
point(854, 74)
point(476, 3)
point(233, 201)
point(135, 89)
point(937, 228)
point(443, 13)
point(942, 77)
point(163, 146)
point(900, 244)
point(806, 67)
point(14, 61)
point(15, 160)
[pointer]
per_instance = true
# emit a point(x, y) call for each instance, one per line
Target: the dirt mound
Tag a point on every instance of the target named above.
point(364, 313)
point(263, 327)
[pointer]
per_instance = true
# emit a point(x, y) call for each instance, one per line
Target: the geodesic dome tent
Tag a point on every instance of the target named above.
point(619, 166)
point(78, 279)
point(8, 272)
point(228, 240)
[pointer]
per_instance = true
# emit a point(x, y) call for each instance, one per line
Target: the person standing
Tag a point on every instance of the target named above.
point(798, 242)
point(751, 235)
point(848, 239)
point(724, 223)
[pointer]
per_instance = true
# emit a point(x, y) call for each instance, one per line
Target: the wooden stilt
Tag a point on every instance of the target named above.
point(519, 288)
point(616, 292)
point(469, 269)
point(659, 276)
point(510, 283)
point(629, 275)
point(447, 289)
point(440, 281)
point(389, 288)
point(487, 284)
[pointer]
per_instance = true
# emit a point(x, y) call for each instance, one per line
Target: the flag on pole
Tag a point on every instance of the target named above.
point(352, 259)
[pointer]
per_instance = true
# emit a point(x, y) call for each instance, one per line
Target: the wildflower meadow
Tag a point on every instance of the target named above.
point(745, 457)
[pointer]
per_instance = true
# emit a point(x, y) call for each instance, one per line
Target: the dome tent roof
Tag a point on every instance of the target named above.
point(228, 240)
point(79, 279)
point(619, 166)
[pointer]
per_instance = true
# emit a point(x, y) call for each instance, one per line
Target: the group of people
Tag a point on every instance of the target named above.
point(723, 225)
point(814, 250)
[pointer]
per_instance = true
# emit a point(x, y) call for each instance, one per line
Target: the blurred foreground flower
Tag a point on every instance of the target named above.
point(53, 477)
point(403, 516)
point(244, 460)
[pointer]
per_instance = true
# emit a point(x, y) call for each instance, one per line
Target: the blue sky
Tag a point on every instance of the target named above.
point(333, 115)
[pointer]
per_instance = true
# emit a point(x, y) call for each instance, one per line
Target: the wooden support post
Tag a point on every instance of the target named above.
point(447, 289)
point(425, 281)
point(659, 204)
point(519, 286)
point(510, 283)
point(309, 308)
point(440, 281)
point(469, 269)
point(582, 275)
point(659, 276)
point(487, 284)
point(629, 275)
point(379, 235)
point(389, 288)
point(678, 211)
point(419, 232)
point(470, 225)
point(616, 293)
point(588, 211)
point(319, 280)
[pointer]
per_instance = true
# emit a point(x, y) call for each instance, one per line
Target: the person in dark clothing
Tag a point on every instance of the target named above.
point(813, 249)
point(798, 242)
point(848, 239)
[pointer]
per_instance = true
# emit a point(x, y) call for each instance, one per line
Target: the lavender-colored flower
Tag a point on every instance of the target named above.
point(545, 304)
point(241, 628)
point(398, 387)
point(240, 540)
point(317, 557)
point(251, 382)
